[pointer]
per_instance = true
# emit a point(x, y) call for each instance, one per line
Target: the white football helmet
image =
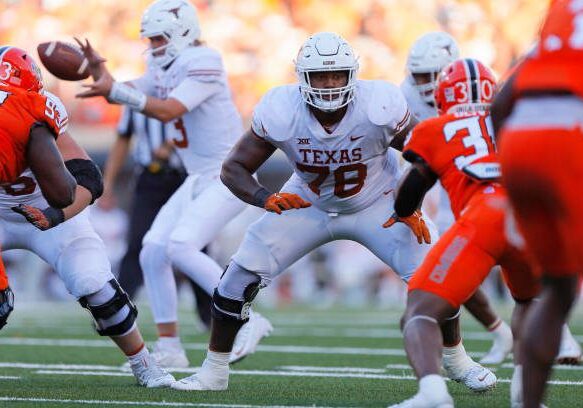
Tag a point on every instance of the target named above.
point(429, 55)
point(175, 20)
point(326, 52)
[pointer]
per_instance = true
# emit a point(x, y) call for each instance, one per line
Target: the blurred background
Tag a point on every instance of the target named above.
point(259, 40)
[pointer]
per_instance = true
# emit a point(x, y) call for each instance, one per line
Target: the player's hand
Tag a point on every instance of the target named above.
point(415, 222)
point(279, 202)
point(42, 219)
point(89, 52)
point(6, 305)
point(101, 87)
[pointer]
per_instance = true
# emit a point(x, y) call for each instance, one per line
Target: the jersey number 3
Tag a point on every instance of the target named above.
point(475, 132)
point(181, 143)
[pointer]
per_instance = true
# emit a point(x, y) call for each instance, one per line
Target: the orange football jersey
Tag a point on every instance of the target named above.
point(448, 144)
point(19, 110)
point(557, 62)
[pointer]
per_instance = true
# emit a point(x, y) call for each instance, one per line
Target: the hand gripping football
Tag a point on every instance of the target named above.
point(63, 60)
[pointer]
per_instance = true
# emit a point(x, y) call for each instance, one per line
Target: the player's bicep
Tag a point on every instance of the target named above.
point(414, 185)
point(46, 163)
point(400, 137)
point(69, 148)
point(250, 152)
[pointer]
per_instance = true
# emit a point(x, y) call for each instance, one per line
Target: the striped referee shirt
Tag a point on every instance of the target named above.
point(149, 134)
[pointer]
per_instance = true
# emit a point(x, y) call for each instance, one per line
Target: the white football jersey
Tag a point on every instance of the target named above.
point(24, 190)
point(347, 170)
point(205, 134)
point(421, 109)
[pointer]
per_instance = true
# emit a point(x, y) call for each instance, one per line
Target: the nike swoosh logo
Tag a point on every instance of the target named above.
point(483, 377)
point(354, 138)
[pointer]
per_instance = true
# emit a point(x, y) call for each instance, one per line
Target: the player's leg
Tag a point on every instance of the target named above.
point(270, 245)
point(79, 257)
point(203, 218)
point(6, 296)
point(398, 248)
point(546, 202)
point(159, 278)
point(479, 306)
point(453, 269)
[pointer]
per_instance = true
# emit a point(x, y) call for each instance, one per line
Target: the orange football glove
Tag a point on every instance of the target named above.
point(279, 202)
point(42, 219)
point(415, 222)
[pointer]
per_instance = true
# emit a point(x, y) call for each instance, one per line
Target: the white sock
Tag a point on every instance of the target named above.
point(432, 384)
point(170, 342)
point(198, 266)
point(140, 357)
point(501, 330)
point(160, 283)
point(456, 356)
point(516, 385)
point(216, 359)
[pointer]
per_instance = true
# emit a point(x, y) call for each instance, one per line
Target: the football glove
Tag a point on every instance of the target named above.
point(415, 222)
point(279, 202)
point(42, 219)
point(6, 305)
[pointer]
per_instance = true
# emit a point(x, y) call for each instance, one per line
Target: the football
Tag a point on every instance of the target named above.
point(63, 60)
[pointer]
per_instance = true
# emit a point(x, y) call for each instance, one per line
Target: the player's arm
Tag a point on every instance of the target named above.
point(414, 185)
point(89, 187)
point(250, 152)
point(44, 159)
point(398, 141)
point(503, 104)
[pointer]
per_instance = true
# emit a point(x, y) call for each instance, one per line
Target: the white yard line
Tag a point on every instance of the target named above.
point(102, 343)
point(146, 403)
point(9, 377)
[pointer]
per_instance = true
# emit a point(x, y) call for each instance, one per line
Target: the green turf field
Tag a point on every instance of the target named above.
point(49, 357)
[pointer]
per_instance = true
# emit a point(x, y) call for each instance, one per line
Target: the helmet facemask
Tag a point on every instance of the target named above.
point(328, 99)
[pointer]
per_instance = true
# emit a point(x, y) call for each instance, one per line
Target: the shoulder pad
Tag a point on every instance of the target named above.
point(384, 102)
point(203, 63)
point(58, 112)
point(279, 108)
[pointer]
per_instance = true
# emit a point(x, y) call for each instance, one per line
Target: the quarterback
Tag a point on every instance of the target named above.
point(337, 132)
point(63, 237)
point(185, 86)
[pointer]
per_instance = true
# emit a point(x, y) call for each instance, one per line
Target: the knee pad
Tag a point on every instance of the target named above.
point(237, 289)
point(6, 305)
point(113, 312)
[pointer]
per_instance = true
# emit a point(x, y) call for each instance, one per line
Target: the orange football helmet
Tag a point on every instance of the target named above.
point(18, 68)
point(467, 85)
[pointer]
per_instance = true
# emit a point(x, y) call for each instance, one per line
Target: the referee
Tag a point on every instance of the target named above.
point(159, 173)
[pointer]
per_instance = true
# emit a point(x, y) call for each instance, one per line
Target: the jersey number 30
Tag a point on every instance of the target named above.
point(475, 132)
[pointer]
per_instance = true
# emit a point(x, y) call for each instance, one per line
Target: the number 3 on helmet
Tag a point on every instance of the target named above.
point(17, 68)
point(465, 85)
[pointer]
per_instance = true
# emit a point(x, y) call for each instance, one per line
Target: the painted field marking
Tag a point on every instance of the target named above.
point(147, 403)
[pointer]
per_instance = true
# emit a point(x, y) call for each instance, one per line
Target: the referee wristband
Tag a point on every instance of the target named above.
point(127, 95)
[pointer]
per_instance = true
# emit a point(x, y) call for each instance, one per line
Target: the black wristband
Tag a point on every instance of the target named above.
point(54, 215)
point(260, 197)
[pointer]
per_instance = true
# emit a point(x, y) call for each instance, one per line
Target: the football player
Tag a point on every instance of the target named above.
point(337, 132)
point(427, 57)
point(456, 148)
point(28, 141)
point(539, 112)
point(186, 87)
point(71, 247)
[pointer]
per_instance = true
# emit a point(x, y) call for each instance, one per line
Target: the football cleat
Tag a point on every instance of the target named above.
point(208, 378)
point(150, 375)
point(476, 377)
point(170, 356)
point(501, 348)
point(249, 336)
point(569, 350)
point(420, 400)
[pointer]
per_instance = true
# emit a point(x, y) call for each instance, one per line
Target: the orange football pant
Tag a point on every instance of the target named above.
point(3, 276)
point(462, 258)
point(543, 172)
